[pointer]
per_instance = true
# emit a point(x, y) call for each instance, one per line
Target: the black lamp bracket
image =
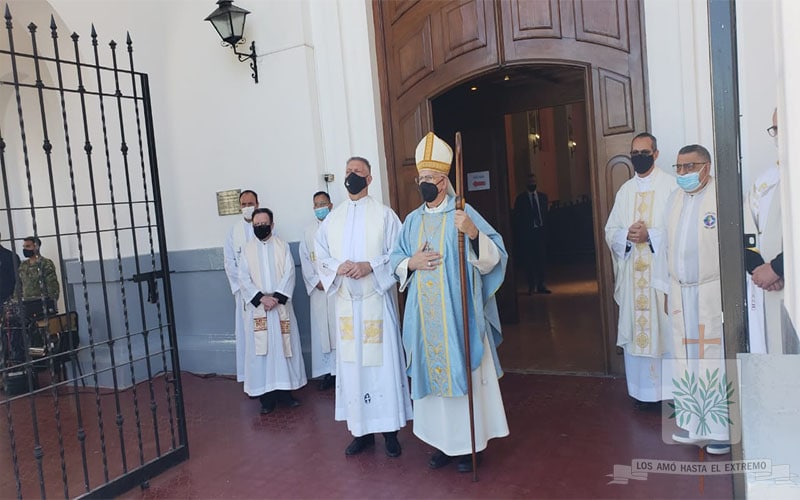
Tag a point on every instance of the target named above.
point(243, 56)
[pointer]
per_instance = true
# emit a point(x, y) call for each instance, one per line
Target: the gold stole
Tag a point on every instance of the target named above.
point(642, 266)
point(362, 290)
point(260, 330)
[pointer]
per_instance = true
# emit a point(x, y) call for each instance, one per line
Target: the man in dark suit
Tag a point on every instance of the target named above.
point(530, 219)
point(9, 262)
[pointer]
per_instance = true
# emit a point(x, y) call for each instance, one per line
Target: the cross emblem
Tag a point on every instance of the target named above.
point(367, 399)
point(701, 341)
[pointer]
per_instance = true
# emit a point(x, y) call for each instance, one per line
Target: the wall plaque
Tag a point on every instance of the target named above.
point(228, 202)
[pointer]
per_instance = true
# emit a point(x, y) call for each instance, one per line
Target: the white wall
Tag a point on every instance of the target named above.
point(757, 86)
point(787, 40)
point(679, 78)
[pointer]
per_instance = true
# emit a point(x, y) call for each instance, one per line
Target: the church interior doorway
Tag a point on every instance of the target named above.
point(534, 120)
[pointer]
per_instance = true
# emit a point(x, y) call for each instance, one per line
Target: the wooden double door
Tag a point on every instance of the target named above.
point(427, 47)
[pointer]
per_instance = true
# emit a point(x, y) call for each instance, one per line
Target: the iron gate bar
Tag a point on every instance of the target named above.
point(146, 332)
point(151, 150)
point(9, 417)
point(37, 447)
point(48, 149)
point(87, 148)
point(22, 55)
point(119, 419)
point(71, 205)
point(101, 231)
point(71, 91)
point(80, 432)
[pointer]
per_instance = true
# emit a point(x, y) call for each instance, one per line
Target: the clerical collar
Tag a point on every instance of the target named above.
point(360, 201)
point(644, 182)
point(438, 208)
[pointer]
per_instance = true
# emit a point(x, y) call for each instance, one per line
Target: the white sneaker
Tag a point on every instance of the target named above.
point(718, 449)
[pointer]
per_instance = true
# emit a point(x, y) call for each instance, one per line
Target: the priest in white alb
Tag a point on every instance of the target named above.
point(762, 218)
point(323, 321)
point(701, 391)
point(238, 236)
point(426, 262)
point(635, 235)
point(273, 365)
point(353, 246)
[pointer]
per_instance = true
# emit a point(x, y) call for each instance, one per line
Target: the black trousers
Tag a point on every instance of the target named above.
point(535, 258)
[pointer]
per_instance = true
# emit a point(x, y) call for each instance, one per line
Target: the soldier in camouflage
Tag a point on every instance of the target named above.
point(36, 271)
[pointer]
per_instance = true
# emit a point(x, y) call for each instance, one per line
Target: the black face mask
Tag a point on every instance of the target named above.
point(355, 183)
point(429, 191)
point(262, 232)
point(642, 163)
point(531, 187)
point(28, 253)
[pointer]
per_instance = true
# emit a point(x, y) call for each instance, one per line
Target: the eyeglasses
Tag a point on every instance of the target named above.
point(321, 205)
point(645, 152)
point(773, 131)
point(433, 179)
point(689, 167)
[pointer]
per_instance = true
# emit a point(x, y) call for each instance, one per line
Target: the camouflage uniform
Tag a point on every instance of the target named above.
point(29, 282)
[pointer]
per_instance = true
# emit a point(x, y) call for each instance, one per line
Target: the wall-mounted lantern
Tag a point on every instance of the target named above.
point(228, 20)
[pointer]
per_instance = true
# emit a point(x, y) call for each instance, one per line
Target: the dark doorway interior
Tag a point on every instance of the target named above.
point(513, 123)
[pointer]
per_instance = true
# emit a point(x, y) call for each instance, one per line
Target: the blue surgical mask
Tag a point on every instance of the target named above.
point(321, 213)
point(689, 182)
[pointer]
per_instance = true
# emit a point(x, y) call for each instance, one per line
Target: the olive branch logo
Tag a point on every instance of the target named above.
point(704, 398)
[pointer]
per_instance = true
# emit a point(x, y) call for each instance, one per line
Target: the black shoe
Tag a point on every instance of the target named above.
point(360, 444)
point(647, 405)
point(543, 290)
point(327, 382)
point(393, 448)
point(439, 460)
point(465, 462)
point(267, 403)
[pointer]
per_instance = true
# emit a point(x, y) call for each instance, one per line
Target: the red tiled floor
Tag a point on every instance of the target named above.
point(567, 433)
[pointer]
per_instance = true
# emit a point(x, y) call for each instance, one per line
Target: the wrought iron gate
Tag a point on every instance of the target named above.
point(91, 396)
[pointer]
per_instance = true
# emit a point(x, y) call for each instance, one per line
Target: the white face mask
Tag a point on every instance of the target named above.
point(775, 140)
point(248, 212)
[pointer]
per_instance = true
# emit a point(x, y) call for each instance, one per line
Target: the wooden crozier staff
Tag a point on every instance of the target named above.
point(462, 266)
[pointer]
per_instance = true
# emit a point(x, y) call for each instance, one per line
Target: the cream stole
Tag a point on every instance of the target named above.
point(363, 290)
point(326, 340)
point(260, 329)
point(710, 295)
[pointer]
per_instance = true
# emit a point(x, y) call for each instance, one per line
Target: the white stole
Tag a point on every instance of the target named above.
point(362, 290)
point(764, 205)
point(260, 330)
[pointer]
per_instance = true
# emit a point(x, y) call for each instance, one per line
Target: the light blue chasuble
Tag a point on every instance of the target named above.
point(433, 323)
